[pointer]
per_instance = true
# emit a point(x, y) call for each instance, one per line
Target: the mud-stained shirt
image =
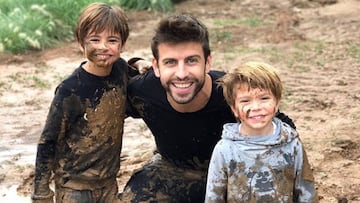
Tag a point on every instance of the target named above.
point(81, 139)
point(271, 168)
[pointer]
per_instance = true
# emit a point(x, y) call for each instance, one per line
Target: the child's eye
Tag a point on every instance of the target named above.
point(114, 41)
point(94, 40)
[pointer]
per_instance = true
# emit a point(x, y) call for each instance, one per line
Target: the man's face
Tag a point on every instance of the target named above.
point(182, 69)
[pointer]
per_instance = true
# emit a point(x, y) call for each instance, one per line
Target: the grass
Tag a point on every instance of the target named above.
point(223, 36)
point(39, 83)
point(159, 5)
point(40, 24)
point(36, 24)
point(32, 80)
point(250, 21)
point(354, 51)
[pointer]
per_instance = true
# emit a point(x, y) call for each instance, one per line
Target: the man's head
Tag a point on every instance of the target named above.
point(99, 17)
point(179, 29)
point(182, 60)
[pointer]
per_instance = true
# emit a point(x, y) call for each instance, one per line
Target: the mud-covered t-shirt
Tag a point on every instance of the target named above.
point(81, 140)
point(185, 139)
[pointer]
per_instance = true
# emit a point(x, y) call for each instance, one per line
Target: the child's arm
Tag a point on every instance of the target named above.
point(45, 157)
point(304, 184)
point(216, 187)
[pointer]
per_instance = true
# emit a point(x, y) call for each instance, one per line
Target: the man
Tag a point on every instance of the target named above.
point(185, 110)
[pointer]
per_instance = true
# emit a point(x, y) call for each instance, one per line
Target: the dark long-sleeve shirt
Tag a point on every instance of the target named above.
point(81, 140)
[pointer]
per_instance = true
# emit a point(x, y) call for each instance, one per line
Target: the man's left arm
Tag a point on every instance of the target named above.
point(284, 118)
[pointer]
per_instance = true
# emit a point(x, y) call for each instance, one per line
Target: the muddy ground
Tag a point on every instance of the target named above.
point(314, 43)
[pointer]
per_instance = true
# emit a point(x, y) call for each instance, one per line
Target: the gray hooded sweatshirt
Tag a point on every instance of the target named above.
point(270, 168)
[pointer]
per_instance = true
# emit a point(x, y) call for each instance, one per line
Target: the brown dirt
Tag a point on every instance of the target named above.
point(314, 43)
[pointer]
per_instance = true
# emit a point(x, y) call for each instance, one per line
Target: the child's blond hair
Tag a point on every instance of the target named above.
point(254, 74)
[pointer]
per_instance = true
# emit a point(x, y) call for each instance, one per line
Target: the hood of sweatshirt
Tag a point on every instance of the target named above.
point(283, 134)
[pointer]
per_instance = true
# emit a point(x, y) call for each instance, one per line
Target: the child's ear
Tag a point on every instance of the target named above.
point(276, 109)
point(233, 109)
point(81, 48)
point(122, 48)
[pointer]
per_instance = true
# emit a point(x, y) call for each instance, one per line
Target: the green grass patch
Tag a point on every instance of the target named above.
point(40, 24)
point(157, 5)
point(251, 21)
point(354, 51)
point(40, 83)
point(223, 36)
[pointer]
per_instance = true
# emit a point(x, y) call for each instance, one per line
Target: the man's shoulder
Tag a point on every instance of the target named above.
point(215, 74)
point(147, 85)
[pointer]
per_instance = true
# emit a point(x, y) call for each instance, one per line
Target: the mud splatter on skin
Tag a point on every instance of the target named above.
point(92, 50)
point(248, 113)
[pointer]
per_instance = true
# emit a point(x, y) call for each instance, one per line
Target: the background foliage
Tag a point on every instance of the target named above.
point(39, 24)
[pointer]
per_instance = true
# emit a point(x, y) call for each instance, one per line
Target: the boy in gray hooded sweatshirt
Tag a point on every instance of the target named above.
point(260, 158)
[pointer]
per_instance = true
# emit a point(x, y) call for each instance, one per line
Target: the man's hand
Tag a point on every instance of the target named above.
point(141, 65)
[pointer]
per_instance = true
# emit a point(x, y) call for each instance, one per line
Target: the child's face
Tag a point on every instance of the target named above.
point(102, 50)
point(255, 108)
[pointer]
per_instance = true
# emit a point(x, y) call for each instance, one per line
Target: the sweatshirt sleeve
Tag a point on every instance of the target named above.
point(216, 187)
point(53, 129)
point(305, 190)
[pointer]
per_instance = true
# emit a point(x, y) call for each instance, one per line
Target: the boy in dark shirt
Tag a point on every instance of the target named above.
point(81, 141)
